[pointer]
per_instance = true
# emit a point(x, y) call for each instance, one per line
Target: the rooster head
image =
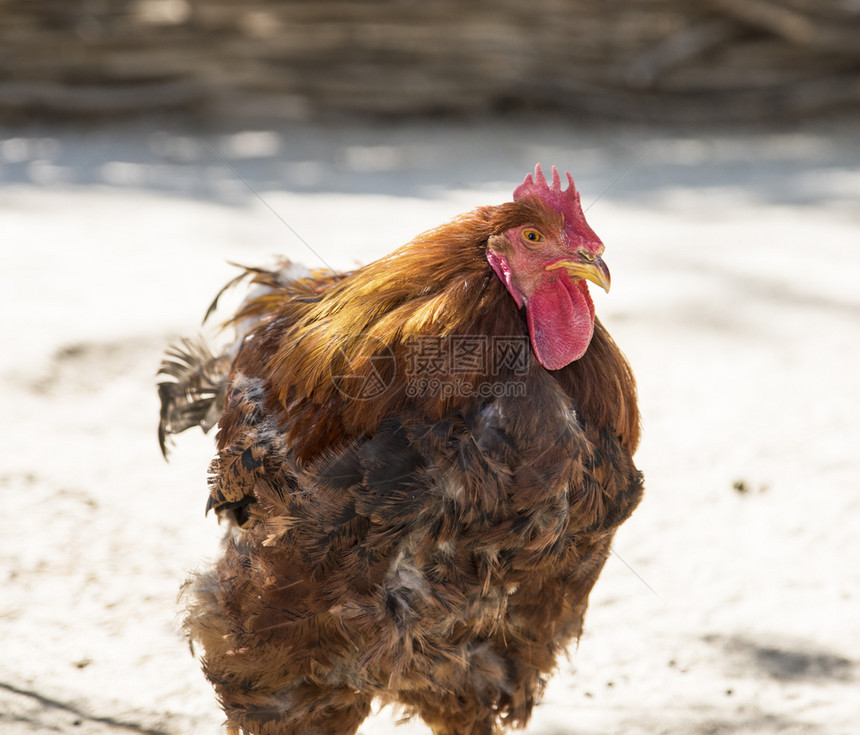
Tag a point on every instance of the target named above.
point(545, 263)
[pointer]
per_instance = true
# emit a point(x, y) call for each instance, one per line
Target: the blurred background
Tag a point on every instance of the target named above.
point(716, 145)
point(762, 60)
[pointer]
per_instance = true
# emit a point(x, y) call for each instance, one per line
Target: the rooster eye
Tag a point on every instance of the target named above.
point(532, 235)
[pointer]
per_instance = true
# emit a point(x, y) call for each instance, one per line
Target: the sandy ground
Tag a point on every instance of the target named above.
point(731, 604)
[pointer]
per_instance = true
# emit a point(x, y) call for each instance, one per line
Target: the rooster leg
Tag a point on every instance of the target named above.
point(450, 714)
point(305, 710)
point(456, 727)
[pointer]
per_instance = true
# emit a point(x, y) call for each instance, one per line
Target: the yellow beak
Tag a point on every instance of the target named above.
point(594, 271)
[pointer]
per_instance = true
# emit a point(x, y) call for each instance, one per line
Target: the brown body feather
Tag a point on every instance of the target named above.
point(436, 550)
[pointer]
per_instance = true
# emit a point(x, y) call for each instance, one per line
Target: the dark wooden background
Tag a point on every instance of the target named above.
point(304, 59)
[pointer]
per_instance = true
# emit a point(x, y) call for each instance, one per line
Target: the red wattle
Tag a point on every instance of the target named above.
point(560, 315)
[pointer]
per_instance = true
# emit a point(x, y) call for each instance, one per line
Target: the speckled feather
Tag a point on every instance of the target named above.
point(435, 552)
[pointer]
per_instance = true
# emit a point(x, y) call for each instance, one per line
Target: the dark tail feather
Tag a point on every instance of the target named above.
point(192, 389)
point(194, 379)
point(282, 275)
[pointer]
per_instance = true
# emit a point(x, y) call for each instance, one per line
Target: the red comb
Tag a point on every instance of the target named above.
point(565, 202)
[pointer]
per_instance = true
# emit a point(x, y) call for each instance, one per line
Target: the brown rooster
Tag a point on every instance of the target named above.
point(422, 464)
